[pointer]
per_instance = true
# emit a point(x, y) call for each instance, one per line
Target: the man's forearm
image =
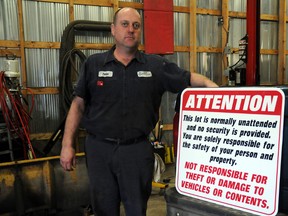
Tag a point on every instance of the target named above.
point(73, 121)
point(198, 80)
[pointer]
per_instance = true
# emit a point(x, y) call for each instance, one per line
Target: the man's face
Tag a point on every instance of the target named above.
point(127, 28)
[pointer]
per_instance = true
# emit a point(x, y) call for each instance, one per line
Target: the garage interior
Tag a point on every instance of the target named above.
point(42, 45)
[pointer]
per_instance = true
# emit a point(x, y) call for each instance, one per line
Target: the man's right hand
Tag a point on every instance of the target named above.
point(67, 158)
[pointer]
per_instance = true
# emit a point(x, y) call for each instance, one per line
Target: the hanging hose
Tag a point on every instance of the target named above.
point(67, 57)
point(69, 70)
point(15, 113)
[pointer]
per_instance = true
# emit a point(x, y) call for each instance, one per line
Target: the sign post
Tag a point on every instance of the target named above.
point(229, 147)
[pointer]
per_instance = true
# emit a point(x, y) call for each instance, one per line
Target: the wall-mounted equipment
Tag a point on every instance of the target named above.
point(15, 117)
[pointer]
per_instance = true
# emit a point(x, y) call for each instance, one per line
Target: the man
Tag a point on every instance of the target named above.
point(117, 99)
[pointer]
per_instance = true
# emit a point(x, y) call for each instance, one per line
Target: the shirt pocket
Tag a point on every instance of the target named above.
point(143, 88)
point(105, 90)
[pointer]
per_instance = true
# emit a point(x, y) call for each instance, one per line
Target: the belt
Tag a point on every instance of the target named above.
point(126, 142)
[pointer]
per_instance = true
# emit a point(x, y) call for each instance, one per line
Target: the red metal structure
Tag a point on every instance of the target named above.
point(253, 50)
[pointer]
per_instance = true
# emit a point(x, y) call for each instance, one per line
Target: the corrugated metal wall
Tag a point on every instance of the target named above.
point(45, 21)
point(8, 20)
point(269, 40)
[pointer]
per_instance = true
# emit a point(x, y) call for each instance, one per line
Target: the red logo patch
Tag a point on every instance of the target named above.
point(100, 83)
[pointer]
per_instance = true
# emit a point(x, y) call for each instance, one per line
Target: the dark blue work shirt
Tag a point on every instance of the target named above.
point(122, 102)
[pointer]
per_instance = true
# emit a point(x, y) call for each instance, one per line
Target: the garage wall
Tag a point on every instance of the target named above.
point(31, 30)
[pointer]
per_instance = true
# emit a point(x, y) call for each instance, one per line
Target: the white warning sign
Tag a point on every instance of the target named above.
point(229, 147)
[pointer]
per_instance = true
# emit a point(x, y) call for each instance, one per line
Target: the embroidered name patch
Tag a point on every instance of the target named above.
point(105, 74)
point(144, 74)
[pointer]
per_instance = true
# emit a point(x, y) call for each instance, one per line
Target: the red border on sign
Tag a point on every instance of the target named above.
point(264, 102)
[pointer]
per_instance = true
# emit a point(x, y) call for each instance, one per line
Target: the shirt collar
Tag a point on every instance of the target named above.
point(110, 56)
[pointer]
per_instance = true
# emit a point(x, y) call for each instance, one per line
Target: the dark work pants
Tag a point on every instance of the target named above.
point(119, 173)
